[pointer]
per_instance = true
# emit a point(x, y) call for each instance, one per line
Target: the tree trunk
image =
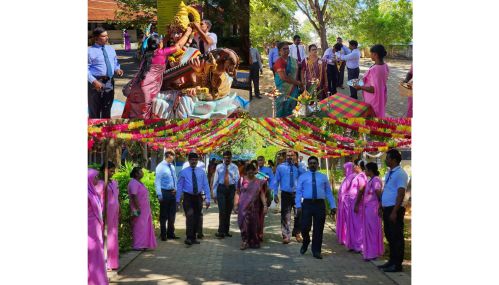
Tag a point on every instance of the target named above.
point(118, 156)
point(144, 153)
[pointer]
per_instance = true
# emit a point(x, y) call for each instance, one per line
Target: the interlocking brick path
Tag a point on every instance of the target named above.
point(217, 261)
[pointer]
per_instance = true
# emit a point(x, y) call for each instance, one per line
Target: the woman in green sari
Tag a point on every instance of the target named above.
point(287, 81)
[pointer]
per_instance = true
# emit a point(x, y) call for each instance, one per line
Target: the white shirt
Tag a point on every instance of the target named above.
point(208, 48)
point(329, 56)
point(293, 51)
point(352, 59)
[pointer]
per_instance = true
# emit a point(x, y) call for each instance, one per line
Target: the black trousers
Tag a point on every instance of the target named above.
point(192, 208)
point(225, 196)
point(100, 102)
point(313, 211)
point(255, 78)
point(394, 233)
point(167, 212)
point(287, 206)
point(332, 78)
point(341, 75)
point(353, 74)
point(199, 230)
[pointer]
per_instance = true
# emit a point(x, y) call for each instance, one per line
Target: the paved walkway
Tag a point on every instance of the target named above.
point(222, 262)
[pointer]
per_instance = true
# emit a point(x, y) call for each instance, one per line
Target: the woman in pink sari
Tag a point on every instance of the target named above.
point(342, 213)
point(96, 264)
point(373, 236)
point(142, 226)
point(250, 203)
point(375, 91)
point(112, 215)
point(353, 199)
point(150, 76)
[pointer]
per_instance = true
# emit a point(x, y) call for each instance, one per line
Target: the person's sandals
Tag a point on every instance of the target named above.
point(244, 245)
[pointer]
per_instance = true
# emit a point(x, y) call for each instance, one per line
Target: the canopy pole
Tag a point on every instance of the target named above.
point(104, 191)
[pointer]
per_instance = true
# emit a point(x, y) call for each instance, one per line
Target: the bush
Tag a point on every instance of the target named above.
point(122, 176)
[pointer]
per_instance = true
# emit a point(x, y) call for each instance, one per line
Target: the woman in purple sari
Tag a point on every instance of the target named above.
point(96, 264)
point(341, 218)
point(126, 41)
point(314, 73)
point(355, 208)
point(250, 203)
point(372, 243)
point(142, 226)
point(112, 215)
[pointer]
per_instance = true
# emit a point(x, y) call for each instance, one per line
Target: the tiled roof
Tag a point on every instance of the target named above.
point(101, 10)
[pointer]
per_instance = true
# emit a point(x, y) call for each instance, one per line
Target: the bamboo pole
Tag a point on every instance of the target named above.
point(104, 190)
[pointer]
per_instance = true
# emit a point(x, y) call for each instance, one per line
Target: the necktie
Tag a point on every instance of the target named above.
point(226, 176)
point(194, 182)
point(291, 177)
point(389, 175)
point(314, 186)
point(173, 177)
point(109, 68)
point(298, 52)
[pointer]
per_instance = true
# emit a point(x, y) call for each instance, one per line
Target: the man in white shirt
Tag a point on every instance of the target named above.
point(206, 41)
point(297, 51)
point(344, 51)
point(352, 62)
point(256, 69)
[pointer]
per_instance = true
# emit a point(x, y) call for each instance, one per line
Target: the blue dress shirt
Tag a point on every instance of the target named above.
point(185, 183)
point(273, 56)
point(219, 176)
point(304, 188)
point(97, 63)
point(345, 49)
point(166, 178)
point(282, 177)
point(268, 171)
point(394, 179)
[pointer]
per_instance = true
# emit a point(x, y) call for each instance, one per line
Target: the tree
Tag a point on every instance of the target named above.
point(384, 22)
point(135, 13)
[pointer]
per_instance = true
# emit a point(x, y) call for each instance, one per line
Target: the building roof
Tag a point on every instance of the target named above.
point(101, 10)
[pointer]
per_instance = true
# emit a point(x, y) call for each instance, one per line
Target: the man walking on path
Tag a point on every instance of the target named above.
point(344, 51)
point(225, 184)
point(192, 181)
point(313, 187)
point(256, 69)
point(393, 212)
point(273, 56)
point(352, 62)
point(166, 185)
point(286, 179)
point(102, 66)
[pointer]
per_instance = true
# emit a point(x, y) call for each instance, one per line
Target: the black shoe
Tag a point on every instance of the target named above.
point(318, 255)
point(163, 238)
point(258, 96)
point(303, 249)
point(393, 268)
point(219, 235)
point(173, 237)
point(195, 241)
point(387, 264)
point(228, 235)
point(201, 236)
point(188, 242)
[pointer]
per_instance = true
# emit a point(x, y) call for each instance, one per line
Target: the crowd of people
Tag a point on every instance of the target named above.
point(247, 189)
point(295, 70)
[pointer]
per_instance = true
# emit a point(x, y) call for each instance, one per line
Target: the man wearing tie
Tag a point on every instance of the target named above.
point(286, 178)
point(225, 182)
point(313, 187)
point(102, 66)
point(166, 185)
point(297, 51)
point(192, 181)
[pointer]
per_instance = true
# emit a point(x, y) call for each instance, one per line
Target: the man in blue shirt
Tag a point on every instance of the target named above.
point(286, 179)
point(166, 185)
point(344, 51)
point(192, 181)
point(273, 56)
point(393, 213)
point(313, 187)
point(102, 66)
point(265, 169)
point(352, 61)
point(225, 184)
